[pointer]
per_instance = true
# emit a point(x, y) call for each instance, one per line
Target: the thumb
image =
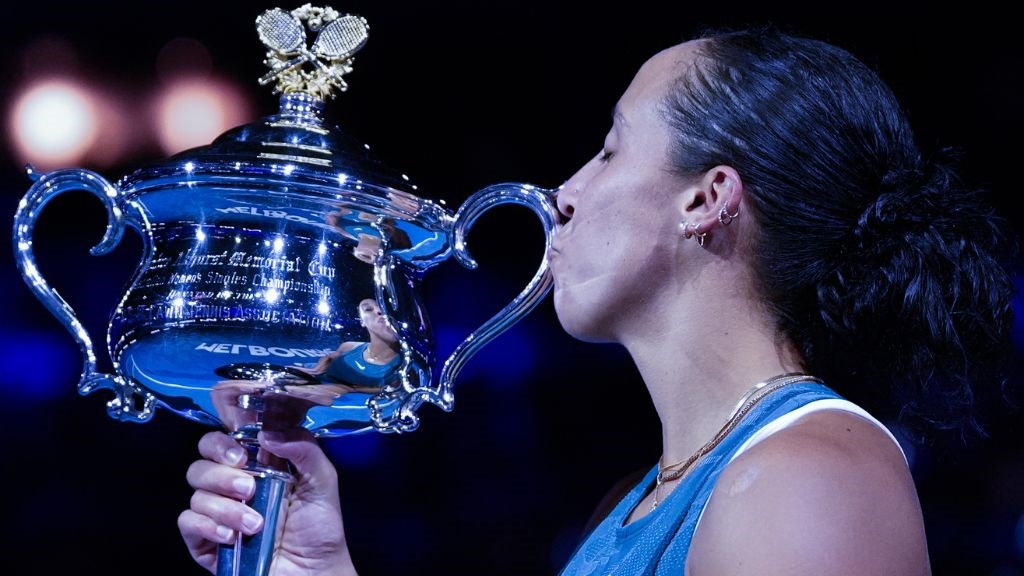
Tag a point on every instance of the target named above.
point(300, 447)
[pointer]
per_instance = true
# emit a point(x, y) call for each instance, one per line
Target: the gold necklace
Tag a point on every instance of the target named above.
point(750, 399)
point(375, 359)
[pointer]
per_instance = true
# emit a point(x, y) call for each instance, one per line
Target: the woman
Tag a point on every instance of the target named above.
point(763, 236)
point(356, 366)
point(363, 366)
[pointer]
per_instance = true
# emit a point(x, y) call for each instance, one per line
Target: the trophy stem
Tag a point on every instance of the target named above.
point(252, 555)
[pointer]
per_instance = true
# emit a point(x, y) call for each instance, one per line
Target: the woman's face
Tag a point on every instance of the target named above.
point(371, 317)
point(623, 213)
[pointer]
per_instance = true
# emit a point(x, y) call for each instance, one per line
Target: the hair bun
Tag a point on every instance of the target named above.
point(901, 179)
point(910, 200)
point(887, 211)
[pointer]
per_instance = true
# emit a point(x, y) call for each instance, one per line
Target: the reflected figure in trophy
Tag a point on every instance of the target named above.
point(285, 393)
point(358, 366)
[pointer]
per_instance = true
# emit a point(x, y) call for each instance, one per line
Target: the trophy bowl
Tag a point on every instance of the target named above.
point(279, 281)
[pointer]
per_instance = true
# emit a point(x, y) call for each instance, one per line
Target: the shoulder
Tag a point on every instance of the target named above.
point(830, 494)
point(348, 346)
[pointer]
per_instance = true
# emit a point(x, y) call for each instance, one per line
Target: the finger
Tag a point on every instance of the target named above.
point(202, 535)
point(200, 530)
point(226, 514)
point(220, 447)
point(220, 479)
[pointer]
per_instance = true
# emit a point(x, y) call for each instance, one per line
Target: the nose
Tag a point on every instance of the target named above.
point(569, 192)
point(567, 196)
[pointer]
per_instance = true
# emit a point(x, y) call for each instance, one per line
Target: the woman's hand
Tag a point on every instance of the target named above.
point(312, 538)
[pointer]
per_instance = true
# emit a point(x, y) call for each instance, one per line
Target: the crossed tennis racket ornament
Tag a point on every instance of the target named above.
point(337, 40)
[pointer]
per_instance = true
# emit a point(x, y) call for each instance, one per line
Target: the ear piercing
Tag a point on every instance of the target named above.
point(725, 218)
point(700, 236)
point(689, 230)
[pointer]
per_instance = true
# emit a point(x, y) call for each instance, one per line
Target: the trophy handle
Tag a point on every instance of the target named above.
point(542, 202)
point(128, 403)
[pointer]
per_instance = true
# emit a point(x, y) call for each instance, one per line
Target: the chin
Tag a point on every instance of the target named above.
point(576, 322)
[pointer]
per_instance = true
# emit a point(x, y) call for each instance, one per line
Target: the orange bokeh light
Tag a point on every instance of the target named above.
point(193, 111)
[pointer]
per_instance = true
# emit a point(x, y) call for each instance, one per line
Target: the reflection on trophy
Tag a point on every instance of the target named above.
point(369, 365)
point(279, 284)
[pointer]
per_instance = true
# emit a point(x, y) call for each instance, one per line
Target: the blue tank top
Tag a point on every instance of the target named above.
point(352, 369)
point(658, 543)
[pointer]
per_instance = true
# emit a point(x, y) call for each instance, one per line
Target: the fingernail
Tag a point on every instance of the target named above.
point(235, 455)
point(251, 521)
point(244, 485)
point(226, 534)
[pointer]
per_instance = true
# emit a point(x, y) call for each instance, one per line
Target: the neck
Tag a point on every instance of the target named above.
point(379, 352)
point(695, 389)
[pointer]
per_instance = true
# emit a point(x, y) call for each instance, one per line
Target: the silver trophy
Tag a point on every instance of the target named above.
point(278, 285)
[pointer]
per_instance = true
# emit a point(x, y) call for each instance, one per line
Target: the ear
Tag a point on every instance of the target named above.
point(712, 201)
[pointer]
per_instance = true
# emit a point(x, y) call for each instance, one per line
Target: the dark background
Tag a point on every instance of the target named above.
point(459, 95)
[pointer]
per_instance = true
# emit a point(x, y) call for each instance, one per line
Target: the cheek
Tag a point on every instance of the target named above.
point(592, 292)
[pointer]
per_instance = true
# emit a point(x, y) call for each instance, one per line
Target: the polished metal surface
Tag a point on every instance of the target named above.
point(257, 259)
point(280, 279)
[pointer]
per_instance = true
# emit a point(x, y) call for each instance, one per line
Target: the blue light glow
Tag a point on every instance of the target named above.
point(1018, 320)
point(360, 451)
point(505, 362)
point(52, 365)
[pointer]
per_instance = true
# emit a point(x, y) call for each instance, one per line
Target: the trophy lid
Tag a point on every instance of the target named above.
point(294, 151)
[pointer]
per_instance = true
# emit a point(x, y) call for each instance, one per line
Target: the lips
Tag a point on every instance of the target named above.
point(557, 241)
point(551, 254)
point(554, 248)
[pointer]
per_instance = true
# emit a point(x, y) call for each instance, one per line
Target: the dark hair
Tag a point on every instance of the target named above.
point(883, 266)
